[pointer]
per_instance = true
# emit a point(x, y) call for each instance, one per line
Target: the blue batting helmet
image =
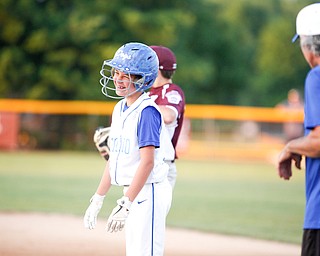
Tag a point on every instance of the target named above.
point(133, 59)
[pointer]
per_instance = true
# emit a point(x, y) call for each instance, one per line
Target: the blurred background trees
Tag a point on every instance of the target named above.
point(236, 52)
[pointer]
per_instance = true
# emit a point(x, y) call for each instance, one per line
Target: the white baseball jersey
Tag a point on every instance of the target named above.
point(124, 149)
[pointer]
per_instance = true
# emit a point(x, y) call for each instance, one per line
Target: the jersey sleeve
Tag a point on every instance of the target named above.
point(175, 98)
point(149, 127)
point(170, 95)
point(312, 102)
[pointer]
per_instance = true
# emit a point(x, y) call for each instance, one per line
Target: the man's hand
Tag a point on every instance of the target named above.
point(119, 215)
point(90, 217)
point(285, 163)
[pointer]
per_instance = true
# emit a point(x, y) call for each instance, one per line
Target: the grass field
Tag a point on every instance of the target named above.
point(236, 198)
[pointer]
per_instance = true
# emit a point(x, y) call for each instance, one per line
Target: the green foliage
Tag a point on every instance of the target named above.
point(236, 198)
point(229, 52)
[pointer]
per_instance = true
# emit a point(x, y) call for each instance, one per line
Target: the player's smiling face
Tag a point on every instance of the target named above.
point(124, 83)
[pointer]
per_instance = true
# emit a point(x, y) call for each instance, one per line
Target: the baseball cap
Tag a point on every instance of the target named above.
point(308, 21)
point(167, 59)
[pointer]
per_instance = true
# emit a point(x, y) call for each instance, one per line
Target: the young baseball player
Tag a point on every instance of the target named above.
point(171, 101)
point(136, 153)
point(308, 30)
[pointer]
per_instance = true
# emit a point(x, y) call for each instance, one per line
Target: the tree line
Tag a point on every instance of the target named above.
point(236, 52)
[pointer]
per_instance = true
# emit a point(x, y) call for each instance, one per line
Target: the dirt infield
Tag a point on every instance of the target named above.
point(48, 234)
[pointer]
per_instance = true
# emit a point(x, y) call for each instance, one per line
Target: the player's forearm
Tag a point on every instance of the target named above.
point(138, 181)
point(105, 182)
point(144, 169)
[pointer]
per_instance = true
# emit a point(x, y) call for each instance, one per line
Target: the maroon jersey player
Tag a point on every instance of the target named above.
point(171, 101)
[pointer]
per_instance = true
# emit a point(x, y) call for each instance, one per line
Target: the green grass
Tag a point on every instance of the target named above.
point(239, 199)
point(236, 198)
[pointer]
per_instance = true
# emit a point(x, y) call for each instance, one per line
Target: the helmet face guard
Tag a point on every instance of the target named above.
point(134, 59)
point(110, 90)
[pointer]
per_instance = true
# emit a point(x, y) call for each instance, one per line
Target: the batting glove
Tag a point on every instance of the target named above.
point(90, 217)
point(119, 215)
point(100, 138)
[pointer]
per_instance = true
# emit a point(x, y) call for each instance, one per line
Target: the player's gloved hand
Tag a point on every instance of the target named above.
point(90, 217)
point(119, 215)
point(100, 138)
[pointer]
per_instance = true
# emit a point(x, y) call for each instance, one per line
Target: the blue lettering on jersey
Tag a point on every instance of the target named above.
point(120, 145)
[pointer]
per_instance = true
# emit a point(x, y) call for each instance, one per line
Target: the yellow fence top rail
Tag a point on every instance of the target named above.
point(221, 112)
point(57, 107)
point(258, 114)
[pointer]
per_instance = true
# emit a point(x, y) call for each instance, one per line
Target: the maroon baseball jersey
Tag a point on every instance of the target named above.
point(171, 95)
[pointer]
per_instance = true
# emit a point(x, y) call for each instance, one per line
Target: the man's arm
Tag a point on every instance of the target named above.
point(294, 150)
point(308, 146)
